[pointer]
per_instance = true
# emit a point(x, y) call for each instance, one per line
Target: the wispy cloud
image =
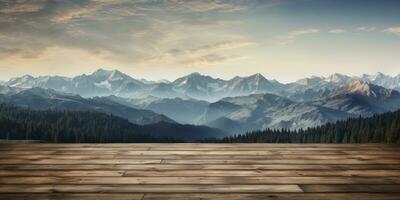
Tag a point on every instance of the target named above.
point(212, 47)
point(210, 59)
point(195, 54)
point(12, 6)
point(337, 31)
point(193, 6)
point(126, 30)
point(303, 32)
point(291, 36)
point(395, 30)
point(366, 28)
point(18, 52)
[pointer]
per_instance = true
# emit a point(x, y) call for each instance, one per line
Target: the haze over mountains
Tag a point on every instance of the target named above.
point(234, 106)
point(113, 82)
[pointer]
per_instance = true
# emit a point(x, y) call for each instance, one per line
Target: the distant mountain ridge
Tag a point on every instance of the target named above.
point(362, 98)
point(113, 82)
point(43, 99)
point(89, 126)
point(237, 105)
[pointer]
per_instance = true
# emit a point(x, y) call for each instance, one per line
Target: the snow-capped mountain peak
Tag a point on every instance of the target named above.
point(111, 75)
point(338, 78)
point(195, 85)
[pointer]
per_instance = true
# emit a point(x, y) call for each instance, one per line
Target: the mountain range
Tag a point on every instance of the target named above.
point(113, 82)
point(227, 106)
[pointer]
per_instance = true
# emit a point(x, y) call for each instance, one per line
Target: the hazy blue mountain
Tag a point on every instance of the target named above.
point(256, 83)
point(362, 98)
point(113, 82)
point(207, 88)
point(199, 86)
point(86, 126)
point(339, 79)
point(383, 80)
point(6, 90)
point(238, 104)
point(231, 126)
point(219, 109)
point(57, 82)
point(106, 82)
point(99, 83)
point(163, 90)
point(185, 111)
point(319, 87)
point(313, 88)
point(196, 86)
point(261, 111)
point(251, 112)
point(42, 99)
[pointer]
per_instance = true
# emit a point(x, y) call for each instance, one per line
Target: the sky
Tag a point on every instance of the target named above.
point(165, 39)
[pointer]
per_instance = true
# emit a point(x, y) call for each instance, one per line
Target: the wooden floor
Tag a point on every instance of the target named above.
point(199, 171)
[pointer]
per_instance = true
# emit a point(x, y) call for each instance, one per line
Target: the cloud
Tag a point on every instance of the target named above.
point(124, 30)
point(213, 47)
point(337, 31)
point(103, 9)
point(303, 32)
point(193, 5)
point(366, 28)
point(209, 59)
point(18, 52)
point(74, 13)
point(12, 6)
point(395, 30)
point(187, 54)
point(291, 36)
point(97, 10)
point(163, 32)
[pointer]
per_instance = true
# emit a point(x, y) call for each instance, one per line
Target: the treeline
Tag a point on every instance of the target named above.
point(18, 123)
point(69, 127)
point(383, 128)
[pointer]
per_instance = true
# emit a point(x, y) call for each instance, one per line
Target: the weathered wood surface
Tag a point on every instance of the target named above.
point(199, 171)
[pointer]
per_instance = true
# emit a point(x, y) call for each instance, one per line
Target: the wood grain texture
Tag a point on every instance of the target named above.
point(199, 171)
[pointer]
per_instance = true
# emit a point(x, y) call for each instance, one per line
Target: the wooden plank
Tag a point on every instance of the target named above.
point(199, 180)
point(199, 173)
point(258, 173)
point(352, 188)
point(190, 153)
point(201, 161)
point(284, 161)
point(71, 196)
point(272, 196)
point(200, 196)
point(92, 161)
point(165, 167)
point(201, 152)
point(62, 173)
point(148, 188)
point(197, 157)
